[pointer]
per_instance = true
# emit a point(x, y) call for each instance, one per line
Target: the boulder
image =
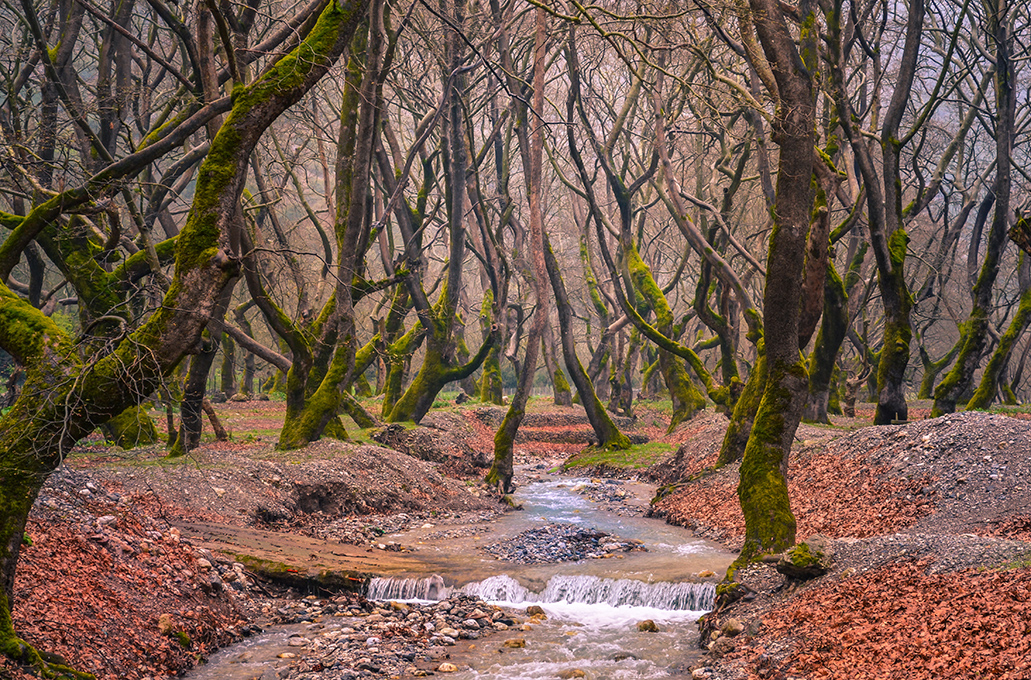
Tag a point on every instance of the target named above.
point(807, 560)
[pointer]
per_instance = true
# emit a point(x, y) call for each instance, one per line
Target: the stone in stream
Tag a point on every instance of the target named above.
point(647, 626)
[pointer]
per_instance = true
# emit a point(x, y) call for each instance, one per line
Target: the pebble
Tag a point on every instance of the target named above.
point(392, 638)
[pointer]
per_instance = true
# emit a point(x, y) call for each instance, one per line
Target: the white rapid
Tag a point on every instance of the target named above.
point(504, 590)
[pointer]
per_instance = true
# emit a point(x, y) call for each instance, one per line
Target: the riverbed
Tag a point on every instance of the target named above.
point(592, 608)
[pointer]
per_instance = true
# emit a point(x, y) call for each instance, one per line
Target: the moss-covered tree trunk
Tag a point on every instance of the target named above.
point(932, 369)
point(39, 430)
point(438, 368)
point(490, 381)
point(562, 395)
point(762, 489)
point(960, 379)
point(500, 474)
point(742, 417)
point(828, 341)
point(131, 428)
point(227, 376)
point(986, 391)
point(608, 435)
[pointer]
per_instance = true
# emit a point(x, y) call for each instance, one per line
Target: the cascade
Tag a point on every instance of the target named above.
point(432, 588)
point(572, 589)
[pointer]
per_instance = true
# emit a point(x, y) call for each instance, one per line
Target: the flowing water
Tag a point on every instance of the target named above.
point(592, 606)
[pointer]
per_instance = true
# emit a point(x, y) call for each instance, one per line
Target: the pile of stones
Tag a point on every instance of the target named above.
point(553, 543)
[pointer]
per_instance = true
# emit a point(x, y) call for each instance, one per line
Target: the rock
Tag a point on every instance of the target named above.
point(720, 647)
point(699, 673)
point(732, 628)
point(807, 560)
point(296, 641)
point(572, 673)
point(239, 397)
point(166, 624)
point(449, 632)
point(647, 626)
point(623, 656)
point(106, 520)
point(514, 643)
point(447, 668)
point(471, 624)
point(536, 610)
point(706, 573)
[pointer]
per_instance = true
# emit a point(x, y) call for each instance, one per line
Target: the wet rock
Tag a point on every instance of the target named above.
point(647, 626)
point(560, 543)
point(720, 647)
point(571, 673)
point(514, 643)
point(447, 668)
point(536, 610)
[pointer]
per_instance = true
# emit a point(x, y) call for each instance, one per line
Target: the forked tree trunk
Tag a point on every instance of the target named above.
point(500, 474)
point(39, 430)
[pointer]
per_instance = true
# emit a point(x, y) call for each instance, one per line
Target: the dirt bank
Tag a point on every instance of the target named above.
point(929, 522)
point(154, 570)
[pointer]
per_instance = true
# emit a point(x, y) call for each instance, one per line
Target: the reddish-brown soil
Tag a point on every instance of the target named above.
point(901, 622)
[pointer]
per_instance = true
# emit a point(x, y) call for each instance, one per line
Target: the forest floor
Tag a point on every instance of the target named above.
point(137, 567)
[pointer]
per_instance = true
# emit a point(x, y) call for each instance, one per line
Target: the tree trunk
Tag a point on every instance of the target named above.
point(985, 393)
point(216, 425)
point(559, 385)
point(762, 489)
point(490, 382)
point(608, 435)
point(228, 373)
point(828, 342)
point(131, 428)
point(500, 474)
point(975, 333)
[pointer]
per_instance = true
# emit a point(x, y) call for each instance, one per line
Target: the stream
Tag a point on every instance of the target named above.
point(593, 606)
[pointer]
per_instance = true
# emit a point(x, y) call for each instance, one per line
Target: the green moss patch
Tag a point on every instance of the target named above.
point(637, 457)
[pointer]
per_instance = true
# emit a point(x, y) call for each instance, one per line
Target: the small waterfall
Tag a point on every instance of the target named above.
point(431, 588)
point(500, 589)
point(570, 589)
point(628, 592)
